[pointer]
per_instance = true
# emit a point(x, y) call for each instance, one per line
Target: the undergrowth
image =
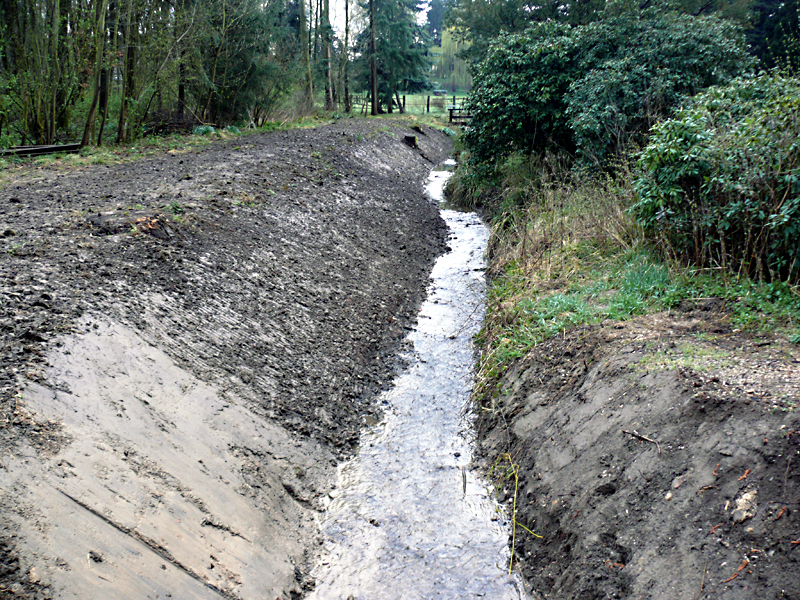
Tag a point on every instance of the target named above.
point(564, 253)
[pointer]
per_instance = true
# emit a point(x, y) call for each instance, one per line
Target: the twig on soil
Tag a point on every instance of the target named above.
point(702, 581)
point(746, 473)
point(705, 488)
point(643, 438)
point(786, 477)
point(745, 562)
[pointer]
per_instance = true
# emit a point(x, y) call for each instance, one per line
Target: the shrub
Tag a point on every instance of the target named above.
point(720, 182)
point(591, 89)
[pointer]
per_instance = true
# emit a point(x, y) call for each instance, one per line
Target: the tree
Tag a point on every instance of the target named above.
point(435, 21)
point(449, 70)
point(66, 66)
point(478, 22)
point(40, 59)
point(394, 48)
point(99, 48)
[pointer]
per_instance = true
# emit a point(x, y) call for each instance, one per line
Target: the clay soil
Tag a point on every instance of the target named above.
point(658, 458)
point(191, 343)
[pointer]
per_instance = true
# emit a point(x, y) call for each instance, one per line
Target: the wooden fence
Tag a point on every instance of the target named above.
point(453, 106)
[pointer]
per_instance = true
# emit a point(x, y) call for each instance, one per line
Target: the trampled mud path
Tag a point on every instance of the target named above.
point(189, 344)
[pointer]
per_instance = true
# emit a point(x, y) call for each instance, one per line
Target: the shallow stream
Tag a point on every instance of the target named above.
point(410, 519)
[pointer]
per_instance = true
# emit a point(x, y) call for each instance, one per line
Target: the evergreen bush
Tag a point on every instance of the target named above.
point(720, 182)
point(594, 90)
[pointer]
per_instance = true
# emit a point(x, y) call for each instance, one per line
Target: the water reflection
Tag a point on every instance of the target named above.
point(410, 519)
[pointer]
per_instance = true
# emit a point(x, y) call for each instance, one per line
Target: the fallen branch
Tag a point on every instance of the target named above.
point(644, 438)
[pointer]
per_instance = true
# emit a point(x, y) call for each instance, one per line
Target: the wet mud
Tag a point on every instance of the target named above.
point(191, 344)
point(409, 513)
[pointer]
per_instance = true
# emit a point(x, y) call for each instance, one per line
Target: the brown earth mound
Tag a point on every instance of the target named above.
point(659, 459)
point(189, 344)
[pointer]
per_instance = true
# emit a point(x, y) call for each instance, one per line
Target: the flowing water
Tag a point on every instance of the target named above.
point(410, 519)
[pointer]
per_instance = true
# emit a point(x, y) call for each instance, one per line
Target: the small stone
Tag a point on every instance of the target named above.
point(668, 496)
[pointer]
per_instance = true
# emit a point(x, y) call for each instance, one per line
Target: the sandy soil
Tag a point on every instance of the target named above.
point(190, 344)
point(659, 459)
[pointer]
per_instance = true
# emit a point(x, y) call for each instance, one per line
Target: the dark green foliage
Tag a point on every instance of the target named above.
point(518, 100)
point(721, 181)
point(775, 33)
point(240, 71)
point(435, 20)
point(479, 22)
point(595, 89)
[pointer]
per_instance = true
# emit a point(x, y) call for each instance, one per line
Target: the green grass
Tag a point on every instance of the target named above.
point(564, 254)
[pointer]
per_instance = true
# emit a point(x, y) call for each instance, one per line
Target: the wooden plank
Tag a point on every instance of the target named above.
point(41, 150)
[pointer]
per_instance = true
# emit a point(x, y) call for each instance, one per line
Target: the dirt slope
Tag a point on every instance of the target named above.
point(189, 344)
point(659, 459)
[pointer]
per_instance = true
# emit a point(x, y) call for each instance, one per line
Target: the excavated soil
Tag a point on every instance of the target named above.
point(190, 344)
point(658, 459)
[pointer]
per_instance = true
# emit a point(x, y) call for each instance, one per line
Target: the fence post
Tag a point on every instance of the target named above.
point(429, 104)
point(404, 102)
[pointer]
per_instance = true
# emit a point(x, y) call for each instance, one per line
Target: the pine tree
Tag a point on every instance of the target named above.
point(400, 53)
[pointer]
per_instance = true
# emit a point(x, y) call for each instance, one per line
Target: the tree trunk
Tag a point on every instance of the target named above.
point(106, 91)
point(99, 36)
point(344, 95)
point(373, 65)
point(103, 103)
point(181, 85)
point(128, 77)
point(56, 74)
point(327, 54)
point(307, 102)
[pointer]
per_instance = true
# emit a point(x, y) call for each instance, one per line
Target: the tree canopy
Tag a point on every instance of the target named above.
point(479, 22)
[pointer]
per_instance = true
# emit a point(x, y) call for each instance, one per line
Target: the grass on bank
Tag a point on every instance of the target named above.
point(564, 253)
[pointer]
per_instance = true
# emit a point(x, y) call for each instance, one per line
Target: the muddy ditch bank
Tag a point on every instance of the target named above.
point(659, 459)
point(190, 345)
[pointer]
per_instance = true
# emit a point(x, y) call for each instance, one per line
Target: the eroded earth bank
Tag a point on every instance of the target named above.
point(659, 459)
point(190, 343)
